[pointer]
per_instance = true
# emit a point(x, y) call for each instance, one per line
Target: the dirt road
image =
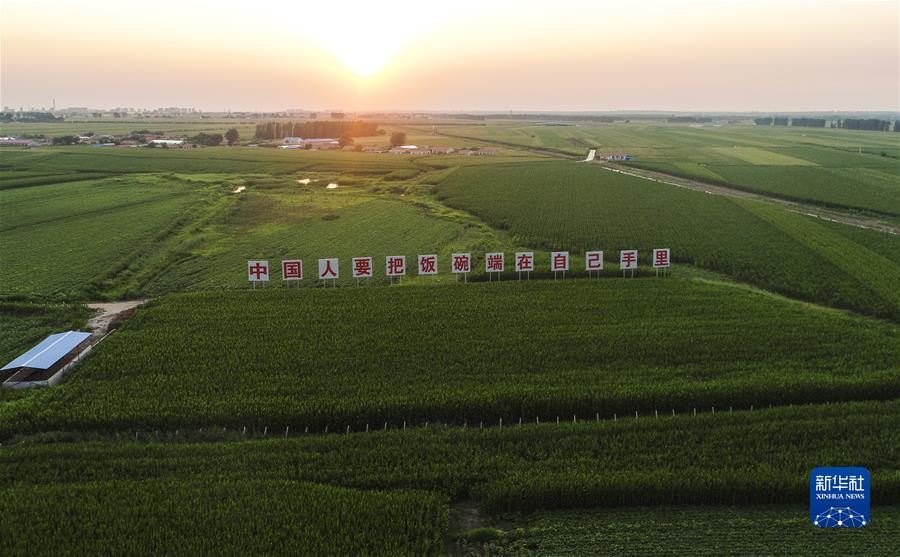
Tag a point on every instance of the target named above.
point(110, 312)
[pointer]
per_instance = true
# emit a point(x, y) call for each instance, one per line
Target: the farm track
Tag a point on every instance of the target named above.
point(110, 312)
point(793, 206)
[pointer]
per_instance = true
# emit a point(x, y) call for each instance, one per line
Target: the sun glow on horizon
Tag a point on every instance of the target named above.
point(363, 58)
point(366, 39)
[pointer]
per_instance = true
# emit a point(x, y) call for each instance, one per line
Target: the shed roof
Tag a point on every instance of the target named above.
point(51, 350)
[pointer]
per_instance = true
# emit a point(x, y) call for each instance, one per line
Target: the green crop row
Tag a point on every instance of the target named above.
point(457, 353)
point(565, 206)
point(217, 517)
point(748, 457)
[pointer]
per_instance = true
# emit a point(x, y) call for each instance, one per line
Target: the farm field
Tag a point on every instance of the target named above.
point(708, 459)
point(838, 168)
point(259, 517)
point(560, 205)
point(704, 530)
point(468, 279)
point(73, 231)
point(297, 358)
point(645, 403)
point(111, 126)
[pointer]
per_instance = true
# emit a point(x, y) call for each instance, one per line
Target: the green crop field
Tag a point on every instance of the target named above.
point(710, 459)
point(249, 517)
point(358, 356)
point(708, 530)
point(559, 205)
point(657, 415)
point(838, 168)
point(111, 126)
point(70, 230)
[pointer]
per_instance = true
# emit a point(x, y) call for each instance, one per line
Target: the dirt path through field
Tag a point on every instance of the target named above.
point(110, 312)
point(810, 210)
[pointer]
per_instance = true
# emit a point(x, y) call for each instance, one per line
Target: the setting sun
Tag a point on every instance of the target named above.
point(363, 57)
point(366, 42)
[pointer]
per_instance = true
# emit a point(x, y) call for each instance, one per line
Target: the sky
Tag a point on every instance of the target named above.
point(463, 55)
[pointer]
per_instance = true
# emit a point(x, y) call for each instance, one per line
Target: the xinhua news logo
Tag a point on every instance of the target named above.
point(839, 497)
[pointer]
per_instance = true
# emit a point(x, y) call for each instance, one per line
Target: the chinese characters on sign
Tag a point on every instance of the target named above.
point(362, 267)
point(395, 265)
point(292, 269)
point(428, 265)
point(460, 263)
point(559, 261)
point(628, 260)
point(493, 263)
point(524, 261)
point(328, 269)
point(258, 271)
point(661, 258)
point(593, 261)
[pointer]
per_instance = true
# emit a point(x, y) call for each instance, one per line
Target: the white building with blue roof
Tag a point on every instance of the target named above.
point(48, 362)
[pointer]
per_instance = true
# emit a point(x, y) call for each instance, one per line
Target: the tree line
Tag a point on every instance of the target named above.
point(317, 129)
point(689, 119)
point(869, 124)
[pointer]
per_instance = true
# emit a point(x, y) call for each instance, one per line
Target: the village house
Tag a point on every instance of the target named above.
point(172, 144)
point(617, 157)
point(410, 150)
point(12, 142)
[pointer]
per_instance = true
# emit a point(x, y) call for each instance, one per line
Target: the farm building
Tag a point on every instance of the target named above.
point(442, 150)
point(482, 151)
point(617, 157)
point(48, 362)
point(322, 144)
point(410, 150)
point(173, 144)
point(292, 141)
point(12, 142)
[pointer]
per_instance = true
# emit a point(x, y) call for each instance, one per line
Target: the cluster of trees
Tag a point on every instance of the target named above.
point(213, 139)
point(66, 140)
point(398, 139)
point(30, 117)
point(809, 122)
point(278, 130)
point(208, 139)
point(689, 119)
point(869, 124)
